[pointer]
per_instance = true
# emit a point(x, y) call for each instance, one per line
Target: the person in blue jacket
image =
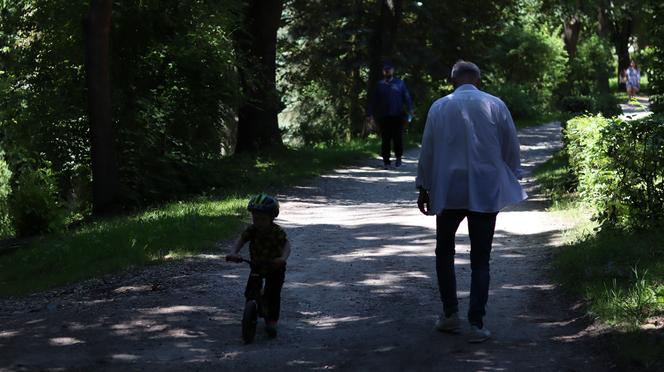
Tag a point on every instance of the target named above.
point(386, 108)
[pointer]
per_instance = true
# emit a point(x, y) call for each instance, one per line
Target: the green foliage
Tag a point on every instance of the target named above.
point(577, 105)
point(606, 104)
point(656, 58)
point(323, 63)
point(521, 104)
point(557, 180)
point(315, 118)
point(526, 66)
point(588, 158)
point(6, 229)
point(636, 153)
point(634, 303)
point(583, 90)
point(174, 92)
point(34, 202)
point(620, 273)
point(44, 111)
point(620, 168)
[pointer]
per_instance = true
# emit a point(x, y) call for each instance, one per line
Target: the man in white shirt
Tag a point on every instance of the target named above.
point(469, 167)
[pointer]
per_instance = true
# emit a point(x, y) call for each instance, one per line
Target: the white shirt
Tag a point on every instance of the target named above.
point(470, 153)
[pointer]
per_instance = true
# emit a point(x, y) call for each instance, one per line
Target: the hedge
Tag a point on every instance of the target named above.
point(620, 168)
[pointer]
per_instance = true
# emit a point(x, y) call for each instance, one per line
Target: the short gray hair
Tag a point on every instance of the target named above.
point(465, 67)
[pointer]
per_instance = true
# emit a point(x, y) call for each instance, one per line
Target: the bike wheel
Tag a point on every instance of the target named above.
point(249, 321)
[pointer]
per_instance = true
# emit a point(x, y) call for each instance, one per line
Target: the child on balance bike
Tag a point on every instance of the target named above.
point(269, 249)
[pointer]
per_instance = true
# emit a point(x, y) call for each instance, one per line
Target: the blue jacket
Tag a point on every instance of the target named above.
point(389, 98)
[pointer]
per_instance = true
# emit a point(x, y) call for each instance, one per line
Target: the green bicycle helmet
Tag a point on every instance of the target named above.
point(264, 203)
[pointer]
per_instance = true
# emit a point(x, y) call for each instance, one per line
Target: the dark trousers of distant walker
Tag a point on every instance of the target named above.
point(271, 300)
point(391, 132)
point(481, 228)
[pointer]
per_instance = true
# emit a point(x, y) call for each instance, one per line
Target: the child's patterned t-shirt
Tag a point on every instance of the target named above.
point(265, 246)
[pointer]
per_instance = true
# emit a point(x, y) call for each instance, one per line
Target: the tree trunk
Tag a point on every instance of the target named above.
point(356, 110)
point(383, 42)
point(258, 125)
point(97, 25)
point(621, 32)
point(603, 31)
point(571, 32)
point(617, 31)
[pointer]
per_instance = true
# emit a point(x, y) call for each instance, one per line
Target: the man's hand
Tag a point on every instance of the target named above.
point(279, 263)
point(423, 202)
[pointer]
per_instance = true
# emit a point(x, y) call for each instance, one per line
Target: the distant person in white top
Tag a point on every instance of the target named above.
point(632, 80)
point(469, 167)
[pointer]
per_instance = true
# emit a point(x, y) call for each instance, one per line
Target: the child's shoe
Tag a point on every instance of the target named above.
point(271, 328)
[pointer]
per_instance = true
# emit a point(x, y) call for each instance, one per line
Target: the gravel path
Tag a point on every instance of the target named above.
point(360, 294)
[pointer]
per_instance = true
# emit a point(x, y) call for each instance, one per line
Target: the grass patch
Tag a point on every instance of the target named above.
point(557, 182)
point(174, 230)
point(621, 277)
point(619, 273)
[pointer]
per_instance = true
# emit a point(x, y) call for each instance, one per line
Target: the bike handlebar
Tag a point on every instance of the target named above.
point(238, 260)
point(253, 264)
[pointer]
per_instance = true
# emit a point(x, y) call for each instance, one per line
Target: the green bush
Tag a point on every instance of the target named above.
point(636, 153)
point(586, 88)
point(317, 122)
point(526, 66)
point(605, 104)
point(34, 203)
point(519, 99)
point(655, 59)
point(5, 188)
point(620, 168)
point(577, 104)
point(174, 91)
point(588, 158)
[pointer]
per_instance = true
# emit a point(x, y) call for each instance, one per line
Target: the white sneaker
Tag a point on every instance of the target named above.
point(450, 324)
point(478, 335)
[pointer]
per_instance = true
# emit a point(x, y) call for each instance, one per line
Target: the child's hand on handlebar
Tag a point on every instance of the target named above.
point(234, 258)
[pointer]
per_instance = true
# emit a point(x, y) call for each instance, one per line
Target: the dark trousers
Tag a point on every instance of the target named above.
point(271, 300)
point(391, 131)
point(480, 229)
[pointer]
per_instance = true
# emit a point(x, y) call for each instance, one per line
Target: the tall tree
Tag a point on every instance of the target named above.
point(655, 28)
point(356, 110)
point(573, 14)
point(384, 40)
point(258, 125)
point(618, 19)
point(104, 165)
point(571, 32)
